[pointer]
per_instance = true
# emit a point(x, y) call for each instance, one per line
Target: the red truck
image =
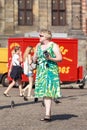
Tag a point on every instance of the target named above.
point(69, 70)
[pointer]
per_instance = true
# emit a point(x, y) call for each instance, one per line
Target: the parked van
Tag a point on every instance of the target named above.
point(4, 66)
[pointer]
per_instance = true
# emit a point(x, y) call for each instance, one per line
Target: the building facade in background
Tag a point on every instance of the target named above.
point(63, 17)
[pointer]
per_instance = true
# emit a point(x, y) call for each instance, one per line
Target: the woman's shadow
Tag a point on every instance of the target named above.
point(63, 117)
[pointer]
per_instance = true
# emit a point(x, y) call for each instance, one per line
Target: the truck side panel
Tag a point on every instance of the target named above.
point(68, 66)
point(68, 47)
point(3, 62)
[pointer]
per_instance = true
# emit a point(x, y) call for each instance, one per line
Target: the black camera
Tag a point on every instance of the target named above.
point(46, 54)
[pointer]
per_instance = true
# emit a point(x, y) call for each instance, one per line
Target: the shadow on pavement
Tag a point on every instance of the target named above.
point(74, 96)
point(63, 117)
point(19, 104)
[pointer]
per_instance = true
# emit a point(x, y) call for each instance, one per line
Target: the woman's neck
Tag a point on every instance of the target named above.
point(45, 43)
point(45, 46)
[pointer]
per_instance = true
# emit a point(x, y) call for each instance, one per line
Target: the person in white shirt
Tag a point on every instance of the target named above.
point(15, 71)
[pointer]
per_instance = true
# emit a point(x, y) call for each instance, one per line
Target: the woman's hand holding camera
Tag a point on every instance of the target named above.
point(46, 54)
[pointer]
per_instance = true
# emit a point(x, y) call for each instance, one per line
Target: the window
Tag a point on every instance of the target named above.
point(58, 12)
point(25, 13)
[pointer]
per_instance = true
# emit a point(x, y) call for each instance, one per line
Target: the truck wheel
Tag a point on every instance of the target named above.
point(81, 86)
point(5, 81)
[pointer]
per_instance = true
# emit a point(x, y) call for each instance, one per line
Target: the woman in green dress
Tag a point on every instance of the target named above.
point(47, 83)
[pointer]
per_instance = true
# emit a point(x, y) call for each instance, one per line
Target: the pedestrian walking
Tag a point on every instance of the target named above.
point(15, 71)
point(27, 57)
point(47, 83)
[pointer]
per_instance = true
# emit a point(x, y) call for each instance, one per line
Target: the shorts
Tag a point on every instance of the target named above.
point(30, 73)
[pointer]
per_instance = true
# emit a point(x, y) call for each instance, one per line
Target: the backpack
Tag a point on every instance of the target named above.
point(28, 67)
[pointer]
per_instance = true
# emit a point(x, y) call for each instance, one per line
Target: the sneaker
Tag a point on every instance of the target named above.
point(6, 95)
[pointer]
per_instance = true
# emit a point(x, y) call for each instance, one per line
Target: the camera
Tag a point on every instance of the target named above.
point(46, 54)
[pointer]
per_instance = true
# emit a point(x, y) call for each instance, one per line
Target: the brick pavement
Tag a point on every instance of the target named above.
point(70, 114)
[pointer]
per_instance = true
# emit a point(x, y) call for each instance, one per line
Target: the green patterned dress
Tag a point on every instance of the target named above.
point(47, 83)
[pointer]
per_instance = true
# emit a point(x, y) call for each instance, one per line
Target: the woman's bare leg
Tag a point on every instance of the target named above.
point(48, 103)
point(20, 87)
point(30, 86)
point(9, 87)
point(23, 90)
point(26, 88)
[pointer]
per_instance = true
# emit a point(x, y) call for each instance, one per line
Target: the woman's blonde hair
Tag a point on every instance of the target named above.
point(27, 51)
point(46, 33)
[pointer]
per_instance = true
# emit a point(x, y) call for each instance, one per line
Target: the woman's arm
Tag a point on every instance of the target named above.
point(35, 53)
point(29, 59)
point(57, 54)
point(20, 57)
point(10, 68)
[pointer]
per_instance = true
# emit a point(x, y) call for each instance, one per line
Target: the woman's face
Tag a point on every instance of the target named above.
point(18, 51)
point(42, 37)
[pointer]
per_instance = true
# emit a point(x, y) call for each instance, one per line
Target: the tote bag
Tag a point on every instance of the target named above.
point(26, 66)
point(32, 66)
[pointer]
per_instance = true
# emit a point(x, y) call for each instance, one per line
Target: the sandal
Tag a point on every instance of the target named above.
point(21, 95)
point(56, 101)
point(46, 118)
point(6, 95)
point(26, 98)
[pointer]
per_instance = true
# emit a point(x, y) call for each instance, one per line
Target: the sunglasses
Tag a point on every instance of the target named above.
point(41, 35)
